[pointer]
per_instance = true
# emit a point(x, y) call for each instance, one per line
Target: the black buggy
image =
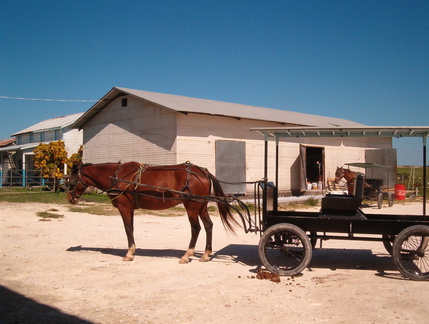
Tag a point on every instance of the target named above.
point(376, 190)
point(288, 238)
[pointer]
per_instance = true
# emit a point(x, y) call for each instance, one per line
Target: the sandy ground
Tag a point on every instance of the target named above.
point(70, 270)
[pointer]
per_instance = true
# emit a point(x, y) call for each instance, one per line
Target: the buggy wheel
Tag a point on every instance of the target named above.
point(390, 198)
point(285, 249)
point(380, 200)
point(388, 242)
point(411, 252)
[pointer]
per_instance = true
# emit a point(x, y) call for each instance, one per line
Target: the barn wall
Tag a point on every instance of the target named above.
point(146, 133)
point(197, 135)
point(140, 132)
point(72, 140)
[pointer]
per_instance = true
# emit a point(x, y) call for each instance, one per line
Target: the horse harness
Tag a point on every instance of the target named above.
point(136, 183)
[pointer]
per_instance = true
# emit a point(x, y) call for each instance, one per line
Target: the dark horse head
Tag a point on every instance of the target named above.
point(76, 186)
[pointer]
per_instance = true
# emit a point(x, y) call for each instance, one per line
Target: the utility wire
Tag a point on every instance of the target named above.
point(38, 99)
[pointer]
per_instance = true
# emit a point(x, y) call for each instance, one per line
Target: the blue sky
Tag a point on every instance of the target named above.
point(366, 61)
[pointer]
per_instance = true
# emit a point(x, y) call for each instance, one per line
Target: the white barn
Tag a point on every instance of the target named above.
point(154, 128)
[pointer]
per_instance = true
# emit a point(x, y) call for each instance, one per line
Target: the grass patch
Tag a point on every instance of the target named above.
point(39, 195)
point(98, 209)
point(311, 202)
point(49, 214)
point(109, 210)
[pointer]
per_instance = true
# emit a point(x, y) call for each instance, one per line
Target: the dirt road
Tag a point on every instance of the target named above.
point(70, 270)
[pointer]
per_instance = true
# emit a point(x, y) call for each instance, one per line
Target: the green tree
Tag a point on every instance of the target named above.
point(49, 160)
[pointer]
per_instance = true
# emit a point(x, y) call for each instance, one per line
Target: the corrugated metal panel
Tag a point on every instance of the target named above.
point(349, 131)
point(213, 107)
point(59, 122)
point(6, 142)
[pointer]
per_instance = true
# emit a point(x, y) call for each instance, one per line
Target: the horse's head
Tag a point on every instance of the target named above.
point(339, 173)
point(76, 186)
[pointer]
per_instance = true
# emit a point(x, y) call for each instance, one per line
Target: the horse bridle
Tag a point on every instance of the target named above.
point(338, 178)
point(77, 179)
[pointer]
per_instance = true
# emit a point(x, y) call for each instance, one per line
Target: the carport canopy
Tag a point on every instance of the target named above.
point(352, 131)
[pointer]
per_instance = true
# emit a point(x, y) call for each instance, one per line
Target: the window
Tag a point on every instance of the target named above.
point(31, 137)
point(42, 137)
point(124, 102)
point(57, 134)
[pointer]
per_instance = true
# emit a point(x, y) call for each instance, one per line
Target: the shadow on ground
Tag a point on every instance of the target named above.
point(16, 308)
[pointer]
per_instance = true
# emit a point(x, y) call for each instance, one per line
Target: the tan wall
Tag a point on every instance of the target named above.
point(72, 140)
point(146, 133)
point(140, 132)
point(197, 135)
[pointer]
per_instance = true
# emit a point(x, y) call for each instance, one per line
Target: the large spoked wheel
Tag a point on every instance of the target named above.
point(411, 252)
point(285, 249)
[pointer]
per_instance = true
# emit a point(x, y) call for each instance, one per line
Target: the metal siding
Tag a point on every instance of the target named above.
point(139, 132)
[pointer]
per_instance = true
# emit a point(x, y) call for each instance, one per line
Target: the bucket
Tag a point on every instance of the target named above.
point(400, 192)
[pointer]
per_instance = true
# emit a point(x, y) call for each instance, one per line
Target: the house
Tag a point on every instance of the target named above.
point(17, 160)
point(154, 128)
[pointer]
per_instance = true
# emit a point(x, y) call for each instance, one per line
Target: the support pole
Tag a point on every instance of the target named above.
point(277, 162)
point(425, 182)
point(266, 158)
point(264, 191)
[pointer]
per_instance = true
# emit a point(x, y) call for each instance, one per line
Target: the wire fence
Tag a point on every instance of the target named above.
point(23, 178)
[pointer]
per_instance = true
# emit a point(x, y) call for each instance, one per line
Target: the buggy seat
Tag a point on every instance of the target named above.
point(344, 205)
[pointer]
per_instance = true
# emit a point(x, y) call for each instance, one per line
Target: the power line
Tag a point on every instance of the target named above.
point(38, 99)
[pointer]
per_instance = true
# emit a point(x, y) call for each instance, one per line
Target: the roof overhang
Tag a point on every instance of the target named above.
point(21, 147)
point(361, 131)
point(97, 107)
point(365, 131)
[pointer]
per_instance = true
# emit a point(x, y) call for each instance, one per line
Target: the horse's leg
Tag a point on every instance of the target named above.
point(208, 226)
point(195, 230)
point(127, 214)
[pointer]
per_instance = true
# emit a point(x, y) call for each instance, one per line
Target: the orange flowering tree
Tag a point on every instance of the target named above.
point(75, 158)
point(49, 160)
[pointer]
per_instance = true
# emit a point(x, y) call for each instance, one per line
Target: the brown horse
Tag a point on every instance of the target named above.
point(350, 177)
point(133, 185)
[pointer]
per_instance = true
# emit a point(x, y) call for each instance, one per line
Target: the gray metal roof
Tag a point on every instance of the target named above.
point(348, 131)
point(213, 107)
point(21, 147)
point(53, 123)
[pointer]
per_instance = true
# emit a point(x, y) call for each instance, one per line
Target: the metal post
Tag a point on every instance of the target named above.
point(277, 162)
point(264, 191)
point(424, 175)
point(23, 170)
point(266, 158)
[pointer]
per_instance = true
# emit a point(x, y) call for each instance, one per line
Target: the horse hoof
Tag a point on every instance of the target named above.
point(127, 258)
point(204, 259)
point(183, 261)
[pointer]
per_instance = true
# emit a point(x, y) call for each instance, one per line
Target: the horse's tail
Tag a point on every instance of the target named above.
point(228, 220)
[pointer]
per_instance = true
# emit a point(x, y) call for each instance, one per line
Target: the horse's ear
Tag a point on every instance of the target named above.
point(75, 167)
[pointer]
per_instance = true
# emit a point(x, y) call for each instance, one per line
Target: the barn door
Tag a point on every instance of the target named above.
point(231, 166)
point(311, 165)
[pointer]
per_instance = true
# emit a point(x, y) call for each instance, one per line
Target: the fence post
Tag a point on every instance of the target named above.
point(1, 177)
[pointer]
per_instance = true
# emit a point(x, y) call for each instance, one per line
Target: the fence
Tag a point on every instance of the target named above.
point(23, 178)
